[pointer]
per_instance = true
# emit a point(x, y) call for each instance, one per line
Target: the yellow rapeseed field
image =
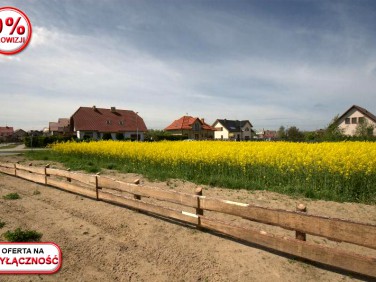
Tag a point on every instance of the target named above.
point(341, 170)
point(345, 158)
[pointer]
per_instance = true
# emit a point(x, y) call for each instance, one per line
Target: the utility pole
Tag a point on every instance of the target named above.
point(137, 125)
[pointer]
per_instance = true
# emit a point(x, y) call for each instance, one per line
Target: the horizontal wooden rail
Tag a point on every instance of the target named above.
point(81, 177)
point(140, 205)
point(39, 178)
point(314, 252)
point(7, 170)
point(9, 165)
point(35, 169)
point(71, 188)
point(159, 194)
point(336, 229)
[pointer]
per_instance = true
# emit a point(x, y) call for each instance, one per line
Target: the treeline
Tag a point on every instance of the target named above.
point(44, 141)
point(160, 135)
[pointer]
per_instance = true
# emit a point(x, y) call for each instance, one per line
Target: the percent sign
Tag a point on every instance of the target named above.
point(10, 22)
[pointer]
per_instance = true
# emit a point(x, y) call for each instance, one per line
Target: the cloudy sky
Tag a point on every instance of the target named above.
point(274, 62)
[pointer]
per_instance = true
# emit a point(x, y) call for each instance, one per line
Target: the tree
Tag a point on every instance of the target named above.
point(332, 131)
point(294, 134)
point(364, 129)
point(107, 136)
point(119, 136)
point(281, 133)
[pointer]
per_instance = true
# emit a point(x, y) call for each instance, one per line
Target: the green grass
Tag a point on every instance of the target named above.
point(19, 235)
point(11, 196)
point(324, 185)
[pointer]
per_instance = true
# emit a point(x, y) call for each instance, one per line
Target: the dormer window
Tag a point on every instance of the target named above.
point(121, 122)
point(108, 122)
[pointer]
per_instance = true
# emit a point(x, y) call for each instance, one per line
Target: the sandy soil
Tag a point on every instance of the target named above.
point(103, 242)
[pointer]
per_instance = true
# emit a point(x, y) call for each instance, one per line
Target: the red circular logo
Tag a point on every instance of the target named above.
point(15, 30)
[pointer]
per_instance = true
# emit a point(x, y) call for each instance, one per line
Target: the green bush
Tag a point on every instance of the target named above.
point(19, 235)
point(2, 223)
point(11, 196)
point(119, 136)
point(107, 136)
point(44, 141)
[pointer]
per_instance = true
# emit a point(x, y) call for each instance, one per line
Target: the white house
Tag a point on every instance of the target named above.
point(232, 129)
point(349, 121)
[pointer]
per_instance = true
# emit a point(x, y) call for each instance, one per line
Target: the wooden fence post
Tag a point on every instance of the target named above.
point(136, 197)
point(15, 168)
point(68, 178)
point(96, 185)
point(300, 235)
point(45, 169)
point(45, 173)
point(198, 192)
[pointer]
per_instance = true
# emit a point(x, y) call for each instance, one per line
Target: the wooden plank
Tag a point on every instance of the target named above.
point(81, 177)
point(140, 205)
point(335, 229)
point(314, 252)
point(7, 170)
point(34, 169)
point(9, 165)
point(106, 182)
point(145, 191)
point(71, 188)
point(31, 176)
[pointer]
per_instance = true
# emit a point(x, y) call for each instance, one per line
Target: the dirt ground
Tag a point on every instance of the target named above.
point(104, 242)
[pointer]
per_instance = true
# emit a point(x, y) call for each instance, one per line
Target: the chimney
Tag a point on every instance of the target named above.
point(113, 110)
point(203, 120)
point(94, 108)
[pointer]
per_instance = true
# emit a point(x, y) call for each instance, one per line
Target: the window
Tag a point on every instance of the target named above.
point(108, 122)
point(354, 120)
point(196, 127)
point(361, 120)
point(246, 129)
point(347, 121)
point(221, 128)
point(121, 122)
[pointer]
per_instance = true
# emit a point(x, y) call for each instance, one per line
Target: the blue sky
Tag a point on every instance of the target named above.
point(274, 62)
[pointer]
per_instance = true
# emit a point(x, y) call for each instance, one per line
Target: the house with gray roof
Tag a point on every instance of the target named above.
point(233, 129)
point(355, 115)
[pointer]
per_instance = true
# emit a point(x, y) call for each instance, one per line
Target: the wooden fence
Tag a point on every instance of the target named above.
point(339, 230)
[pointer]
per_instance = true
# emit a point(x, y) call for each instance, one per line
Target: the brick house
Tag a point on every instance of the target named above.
point(62, 127)
point(6, 133)
point(94, 123)
point(192, 128)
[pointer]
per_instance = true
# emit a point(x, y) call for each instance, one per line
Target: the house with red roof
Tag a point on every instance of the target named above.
point(6, 133)
point(61, 127)
point(192, 128)
point(355, 115)
point(95, 123)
